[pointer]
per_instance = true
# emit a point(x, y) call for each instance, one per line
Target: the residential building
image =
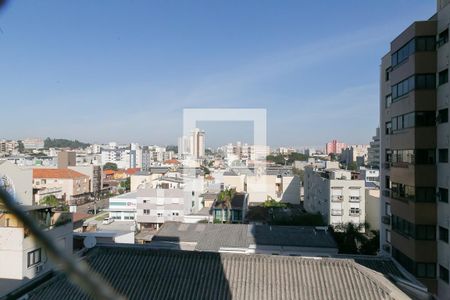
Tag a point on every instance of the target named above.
point(369, 175)
point(372, 207)
point(66, 159)
point(414, 151)
point(193, 145)
point(124, 158)
point(123, 207)
point(7, 147)
point(17, 181)
point(336, 194)
point(95, 176)
point(234, 213)
point(33, 143)
point(373, 152)
point(22, 258)
point(334, 147)
point(74, 186)
point(354, 154)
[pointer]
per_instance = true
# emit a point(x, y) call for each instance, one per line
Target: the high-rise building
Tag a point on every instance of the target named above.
point(414, 143)
point(373, 153)
point(334, 147)
point(193, 145)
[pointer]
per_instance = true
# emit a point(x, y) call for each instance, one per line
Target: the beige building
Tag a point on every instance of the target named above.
point(414, 151)
point(22, 258)
point(336, 195)
point(74, 185)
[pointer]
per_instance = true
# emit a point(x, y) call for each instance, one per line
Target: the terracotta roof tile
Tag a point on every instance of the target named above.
point(57, 173)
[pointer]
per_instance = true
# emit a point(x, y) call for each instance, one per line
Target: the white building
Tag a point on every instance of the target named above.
point(192, 146)
point(334, 194)
point(17, 181)
point(33, 143)
point(123, 158)
point(22, 258)
point(123, 207)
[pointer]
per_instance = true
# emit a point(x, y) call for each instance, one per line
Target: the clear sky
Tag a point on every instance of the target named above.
point(99, 70)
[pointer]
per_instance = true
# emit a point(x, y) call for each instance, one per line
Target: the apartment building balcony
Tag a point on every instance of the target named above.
point(337, 198)
point(337, 212)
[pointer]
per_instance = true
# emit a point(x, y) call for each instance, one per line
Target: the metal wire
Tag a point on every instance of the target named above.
point(78, 271)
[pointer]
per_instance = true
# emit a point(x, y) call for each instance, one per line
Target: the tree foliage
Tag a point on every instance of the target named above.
point(280, 159)
point(351, 239)
point(50, 200)
point(63, 143)
point(126, 184)
point(110, 166)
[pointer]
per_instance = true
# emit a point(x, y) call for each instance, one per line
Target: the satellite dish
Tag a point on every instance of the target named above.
point(89, 241)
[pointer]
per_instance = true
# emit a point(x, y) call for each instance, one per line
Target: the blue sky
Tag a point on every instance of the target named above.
point(124, 70)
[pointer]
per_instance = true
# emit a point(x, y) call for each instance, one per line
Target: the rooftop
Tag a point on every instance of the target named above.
point(141, 273)
point(212, 237)
point(57, 173)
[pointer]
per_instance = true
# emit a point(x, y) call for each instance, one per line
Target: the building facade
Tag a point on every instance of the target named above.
point(336, 195)
point(334, 147)
point(373, 152)
point(414, 151)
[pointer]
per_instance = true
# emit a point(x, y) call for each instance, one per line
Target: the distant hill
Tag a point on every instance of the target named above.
point(63, 143)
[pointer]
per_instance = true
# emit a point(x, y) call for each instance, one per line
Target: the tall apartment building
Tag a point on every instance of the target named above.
point(334, 147)
point(193, 145)
point(373, 152)
point(414, 141)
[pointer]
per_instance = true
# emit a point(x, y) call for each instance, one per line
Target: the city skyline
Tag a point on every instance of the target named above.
point(115, 77)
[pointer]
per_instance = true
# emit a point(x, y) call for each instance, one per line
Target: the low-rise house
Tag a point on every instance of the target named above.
point(234, 211)
point(75, 186)
point(22, 258)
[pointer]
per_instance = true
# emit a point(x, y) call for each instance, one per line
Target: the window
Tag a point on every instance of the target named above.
point(417, 232)
point(442, 116)
point(443, 234)
point(159, 214)
point(387, 209)
point(145, 201)
point(425, 43)
point(146, 211)
point(443, 77)
point(443, 195)
point(386, 73)
point(443, 155)
point(443, 274)
point(34, 257)
point(442, 38)
point(425, 81)
point(388, 236)
point(388, 128)
point(354, 211)
point(424, 118)
point(425, 270)
point(176, 214)
point(388, 100)
point(425, 156)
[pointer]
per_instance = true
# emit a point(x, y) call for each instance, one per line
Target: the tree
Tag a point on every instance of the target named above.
point(349, 237)
point(224, 201)
point(126, 184)
point(50, 200)
point(352, 166)
point(110, 166)
point(21, 147)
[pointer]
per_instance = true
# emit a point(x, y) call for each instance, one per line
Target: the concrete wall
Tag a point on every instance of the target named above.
point(373, 208)
point(21, 179)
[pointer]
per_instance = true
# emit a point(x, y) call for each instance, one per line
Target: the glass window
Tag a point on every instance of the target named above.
point(425, 118)
point(34, 257)
point(443, 195)
point(442, 116)
point(443, 77)
point(443, 38)
point(443, 234)
point(388, 100)
point(425, 156)
point(443, 155)
point(443, 274)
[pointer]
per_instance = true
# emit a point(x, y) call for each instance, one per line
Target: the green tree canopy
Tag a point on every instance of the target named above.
point(110, 166)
